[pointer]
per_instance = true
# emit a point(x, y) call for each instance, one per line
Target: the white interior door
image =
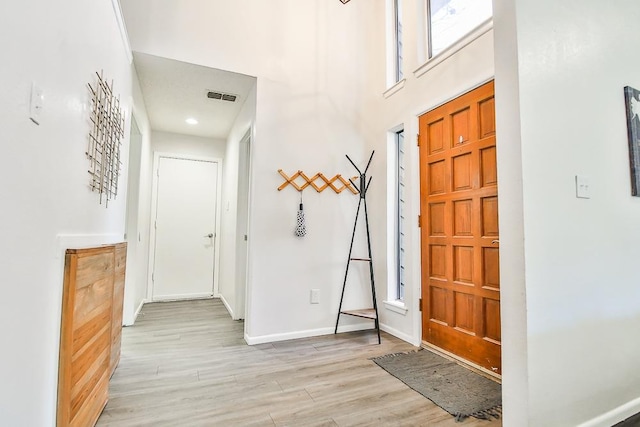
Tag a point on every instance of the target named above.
point(185, 229)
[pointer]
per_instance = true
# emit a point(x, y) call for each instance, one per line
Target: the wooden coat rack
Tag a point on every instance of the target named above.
point(328, 183)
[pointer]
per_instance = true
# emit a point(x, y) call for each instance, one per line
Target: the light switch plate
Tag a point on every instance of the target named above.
point(36, 103)
point(583, 190)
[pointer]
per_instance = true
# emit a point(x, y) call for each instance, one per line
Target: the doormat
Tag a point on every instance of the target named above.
point(458, 390)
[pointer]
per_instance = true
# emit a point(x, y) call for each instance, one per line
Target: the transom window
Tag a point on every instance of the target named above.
point(450, 20)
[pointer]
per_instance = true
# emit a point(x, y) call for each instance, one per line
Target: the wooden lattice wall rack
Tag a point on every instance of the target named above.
point(311, 182)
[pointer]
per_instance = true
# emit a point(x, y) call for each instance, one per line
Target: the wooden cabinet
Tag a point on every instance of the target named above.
point(90, 331)
point(120, 253)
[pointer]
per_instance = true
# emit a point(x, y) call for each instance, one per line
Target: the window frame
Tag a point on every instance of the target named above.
point(399, 244)
point(397, 41)
point(452, 46)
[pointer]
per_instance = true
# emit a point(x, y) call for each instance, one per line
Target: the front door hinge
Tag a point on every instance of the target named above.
point(419, 221)
point(153, 277)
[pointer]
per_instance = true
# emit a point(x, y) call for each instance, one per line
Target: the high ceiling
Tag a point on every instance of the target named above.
point(175, 91)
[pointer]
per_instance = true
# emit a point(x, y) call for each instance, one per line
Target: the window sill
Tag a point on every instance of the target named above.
point(393, 89)
point(396, 307)
point(431, 63)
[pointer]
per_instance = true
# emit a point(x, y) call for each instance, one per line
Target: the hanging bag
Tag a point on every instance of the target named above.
point(301, 227)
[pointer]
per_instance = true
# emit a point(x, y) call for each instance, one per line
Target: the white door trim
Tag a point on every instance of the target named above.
point(157, 155)
point(241, 289)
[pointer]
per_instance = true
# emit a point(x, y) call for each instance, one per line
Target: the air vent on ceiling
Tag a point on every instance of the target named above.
point(222, 96)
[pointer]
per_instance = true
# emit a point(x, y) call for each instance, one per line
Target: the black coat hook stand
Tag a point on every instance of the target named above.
point(366, 313)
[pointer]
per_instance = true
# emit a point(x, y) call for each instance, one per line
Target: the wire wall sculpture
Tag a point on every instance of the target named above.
point(105, 140)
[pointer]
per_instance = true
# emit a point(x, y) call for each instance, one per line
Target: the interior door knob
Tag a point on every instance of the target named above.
point(493, 242)
point(210, 235)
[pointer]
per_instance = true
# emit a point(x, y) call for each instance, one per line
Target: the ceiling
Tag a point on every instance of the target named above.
point(174, 91)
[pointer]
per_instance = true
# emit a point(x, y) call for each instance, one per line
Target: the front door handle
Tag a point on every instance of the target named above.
point(210, 235)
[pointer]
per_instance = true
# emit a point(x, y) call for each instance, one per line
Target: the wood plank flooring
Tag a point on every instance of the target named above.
point(186, 364)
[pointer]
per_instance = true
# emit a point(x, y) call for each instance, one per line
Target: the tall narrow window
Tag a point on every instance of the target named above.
point(400, 214)
point(450, 20)
point(397, 8)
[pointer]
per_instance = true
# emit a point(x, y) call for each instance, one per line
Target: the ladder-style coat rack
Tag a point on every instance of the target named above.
point(366, 313)
point(328, 182)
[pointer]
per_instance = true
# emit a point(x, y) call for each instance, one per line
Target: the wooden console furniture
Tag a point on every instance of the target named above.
point(91, 329)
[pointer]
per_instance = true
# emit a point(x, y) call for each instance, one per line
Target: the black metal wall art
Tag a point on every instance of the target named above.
point(632, 101)
point(105, 140)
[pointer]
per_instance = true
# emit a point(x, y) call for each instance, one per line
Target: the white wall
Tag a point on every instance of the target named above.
point(560, 112)
point(569, 302)
point(60, 45)
point(138, 214)
point(466, 66)
point(515, 375)
point(308, 116)
point(310, 112)
point(165, 142)
point(229, 243)
point(582, 296)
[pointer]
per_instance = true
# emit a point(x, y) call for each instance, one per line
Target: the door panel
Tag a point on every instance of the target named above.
point(185, 217)
point(460, 248)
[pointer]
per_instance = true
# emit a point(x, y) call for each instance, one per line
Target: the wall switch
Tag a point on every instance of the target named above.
point(36, 103)
point(315, 296)
point(583, 190)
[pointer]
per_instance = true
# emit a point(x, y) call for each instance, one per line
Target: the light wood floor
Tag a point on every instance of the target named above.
point(186, 364)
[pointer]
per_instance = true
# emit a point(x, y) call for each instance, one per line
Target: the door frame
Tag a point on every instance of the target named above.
point(133, 281)
point(416, 260)
point(241, 289)
point(157, 155)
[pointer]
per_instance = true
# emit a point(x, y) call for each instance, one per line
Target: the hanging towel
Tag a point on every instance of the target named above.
point(301, 227)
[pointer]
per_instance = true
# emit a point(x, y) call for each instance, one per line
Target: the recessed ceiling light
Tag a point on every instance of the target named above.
point(191, 121)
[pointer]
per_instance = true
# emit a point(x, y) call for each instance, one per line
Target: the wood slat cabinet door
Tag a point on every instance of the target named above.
point(86, 335)
point(459, 235)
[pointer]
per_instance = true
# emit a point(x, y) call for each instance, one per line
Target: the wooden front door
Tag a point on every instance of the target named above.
point(459, 235)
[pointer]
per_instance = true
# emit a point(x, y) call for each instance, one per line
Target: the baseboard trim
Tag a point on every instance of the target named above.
point(264, 339)
point(400, 335)
point(615, 415)
point(181, 297)
point(135, 315)
point(227, 306)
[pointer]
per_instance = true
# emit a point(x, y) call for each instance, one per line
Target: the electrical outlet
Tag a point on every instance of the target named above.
point(315, 296)
point(582, 187)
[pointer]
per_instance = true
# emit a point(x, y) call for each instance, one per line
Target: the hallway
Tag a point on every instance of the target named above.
point(186, 364)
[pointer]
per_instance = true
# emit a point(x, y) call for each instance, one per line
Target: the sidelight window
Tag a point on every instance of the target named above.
point(400, 214)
